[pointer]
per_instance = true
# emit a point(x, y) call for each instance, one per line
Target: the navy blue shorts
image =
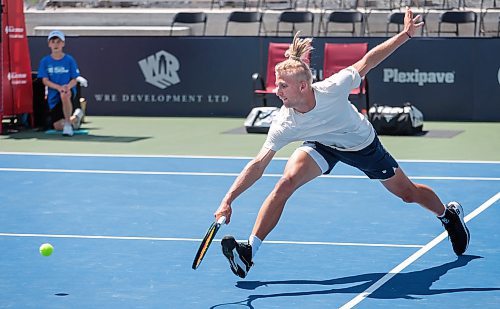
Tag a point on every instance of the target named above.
point(373, 160)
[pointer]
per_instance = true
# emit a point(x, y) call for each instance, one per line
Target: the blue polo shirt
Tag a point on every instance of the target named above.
point(61, 72)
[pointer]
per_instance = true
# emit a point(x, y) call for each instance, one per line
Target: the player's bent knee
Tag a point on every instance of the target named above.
point(284, 187)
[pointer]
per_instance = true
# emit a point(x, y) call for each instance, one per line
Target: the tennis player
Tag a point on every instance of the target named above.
point(321, 115)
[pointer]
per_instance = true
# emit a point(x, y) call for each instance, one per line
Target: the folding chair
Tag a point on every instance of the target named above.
point(395, 18)
point(223, 3)
point(488, 8)
point(244, 17)
point(457, 18)
point(398, 19)
point(275, 55)
point(352, 17)
point(295, 17)
point(277, 4)
point(338, 56)
point(190, 18)
point(447, 5)
point(371, 6)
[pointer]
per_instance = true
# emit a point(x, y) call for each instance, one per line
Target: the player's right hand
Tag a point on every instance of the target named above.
point(224, 210)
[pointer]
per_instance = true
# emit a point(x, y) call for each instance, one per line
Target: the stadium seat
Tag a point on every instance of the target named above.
point(233, 3)
point(265, 87)
point(244, 17)
point(352, 17)
point(381, 5)
point(190, 18)
point(442, 4)
point(313, 3)
point(293, 18)
point(457, 18)
point(69, 3)
point(325, 5)
point(398, 19)
point(487, 8)
point(278, 4)
point(447, 4)
point(338, 56)
point(371, 6)
point(395, 18)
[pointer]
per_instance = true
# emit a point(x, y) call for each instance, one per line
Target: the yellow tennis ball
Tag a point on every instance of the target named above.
point(46, 249)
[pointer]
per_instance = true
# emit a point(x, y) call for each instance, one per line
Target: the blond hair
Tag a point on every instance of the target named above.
point(297, 62)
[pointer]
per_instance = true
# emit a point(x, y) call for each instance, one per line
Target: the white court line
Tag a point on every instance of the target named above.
point(210, 157)
point(321, 243)
point(51, 170)
point(360, 297)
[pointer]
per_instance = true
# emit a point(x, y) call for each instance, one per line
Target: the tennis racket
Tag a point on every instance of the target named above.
point(207, 240)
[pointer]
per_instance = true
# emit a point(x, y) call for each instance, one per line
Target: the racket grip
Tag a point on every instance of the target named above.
point(222, 220)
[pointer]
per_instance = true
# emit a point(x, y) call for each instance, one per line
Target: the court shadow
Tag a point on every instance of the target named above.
point(404, 285)
point(41, 135)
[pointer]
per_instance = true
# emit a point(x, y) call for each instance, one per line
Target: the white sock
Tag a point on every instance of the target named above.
point(444, 211)
point(255, 242)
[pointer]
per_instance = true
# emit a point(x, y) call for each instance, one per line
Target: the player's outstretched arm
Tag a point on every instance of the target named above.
point(383, 50)
point(250, 174)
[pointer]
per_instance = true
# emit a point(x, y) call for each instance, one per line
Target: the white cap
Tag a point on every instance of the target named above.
point(56, 34)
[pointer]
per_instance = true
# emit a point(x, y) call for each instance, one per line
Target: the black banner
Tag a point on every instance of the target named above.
point(446, 78)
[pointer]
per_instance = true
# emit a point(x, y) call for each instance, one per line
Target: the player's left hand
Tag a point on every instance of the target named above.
point(412, 23)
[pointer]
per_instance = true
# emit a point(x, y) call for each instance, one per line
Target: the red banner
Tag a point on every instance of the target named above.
point(16, 90)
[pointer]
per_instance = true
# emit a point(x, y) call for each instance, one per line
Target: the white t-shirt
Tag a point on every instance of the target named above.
point(334, 121)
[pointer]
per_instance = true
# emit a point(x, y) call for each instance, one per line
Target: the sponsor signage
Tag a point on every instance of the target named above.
point(392, 75)
point(172, 77)
point(451, 79)
point(16, 84)
point(161, 69)
point(211, 76)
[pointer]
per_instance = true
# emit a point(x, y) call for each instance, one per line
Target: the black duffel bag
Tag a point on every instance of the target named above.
point(260, 119)
point(388, 120)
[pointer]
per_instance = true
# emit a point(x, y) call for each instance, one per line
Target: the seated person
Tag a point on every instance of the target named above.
point(59, 73)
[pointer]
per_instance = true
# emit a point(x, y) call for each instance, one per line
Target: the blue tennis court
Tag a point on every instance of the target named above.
point(125, 230)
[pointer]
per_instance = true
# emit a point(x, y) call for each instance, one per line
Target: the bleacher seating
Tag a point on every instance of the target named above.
point(350, 17)
point(293, 18)
point(457, 18)
point(245, 17)
point(190, 18)
point(490, 9)
point(374, 14)
point(267, 4)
